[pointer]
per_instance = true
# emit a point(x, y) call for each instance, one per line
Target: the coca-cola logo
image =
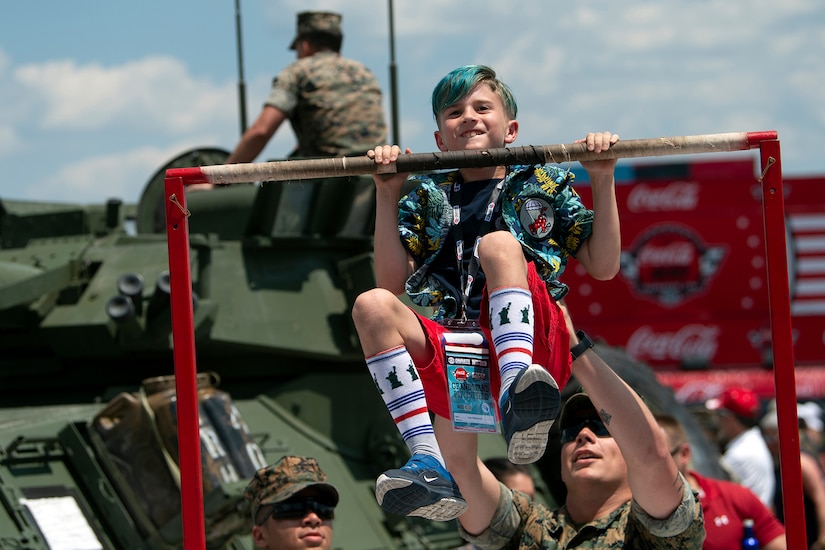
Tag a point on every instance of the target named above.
point(693, 342)
point(676, 196)
point(670, 263)
point(698, 391)
point(668, 254)
point(460, 374)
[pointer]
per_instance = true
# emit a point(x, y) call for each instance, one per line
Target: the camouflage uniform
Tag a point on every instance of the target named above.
point(334, 106)
point(286, 478)
point(333, 103)
point(520, 523)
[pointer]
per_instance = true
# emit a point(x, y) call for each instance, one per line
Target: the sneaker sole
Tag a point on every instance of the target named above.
point(396, 496)
point(538, 397)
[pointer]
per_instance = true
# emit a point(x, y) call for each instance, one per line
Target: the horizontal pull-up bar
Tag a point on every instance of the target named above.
point(776, 264)
point(417, 162)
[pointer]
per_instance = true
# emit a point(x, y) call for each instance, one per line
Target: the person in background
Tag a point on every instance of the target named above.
point(724, 504)
point(333, 103)
point(813, 489)
point(514, 476)
point(292, 505)
point(810, 414)
point(745, 454)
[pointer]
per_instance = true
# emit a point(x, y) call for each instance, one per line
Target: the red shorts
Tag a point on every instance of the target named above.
point(551, 347)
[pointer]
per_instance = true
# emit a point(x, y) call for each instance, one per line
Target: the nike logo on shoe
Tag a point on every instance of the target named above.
point(423, 488)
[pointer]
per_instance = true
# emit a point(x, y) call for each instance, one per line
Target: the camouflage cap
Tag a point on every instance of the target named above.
point(287, 477)
point(313, 22)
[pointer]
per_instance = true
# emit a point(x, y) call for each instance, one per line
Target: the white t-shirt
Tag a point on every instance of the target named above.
point(749, 459)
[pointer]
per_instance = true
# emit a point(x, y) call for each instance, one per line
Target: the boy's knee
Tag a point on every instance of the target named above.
point(499, 243)
point(370, 303)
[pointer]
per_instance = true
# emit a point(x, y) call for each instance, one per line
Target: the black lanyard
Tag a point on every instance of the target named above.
point(466, 283)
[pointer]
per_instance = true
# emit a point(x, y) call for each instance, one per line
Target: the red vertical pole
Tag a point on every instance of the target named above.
point(183, 338)
point(773, 210)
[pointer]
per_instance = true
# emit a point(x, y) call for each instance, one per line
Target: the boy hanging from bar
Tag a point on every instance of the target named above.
point(484, 248)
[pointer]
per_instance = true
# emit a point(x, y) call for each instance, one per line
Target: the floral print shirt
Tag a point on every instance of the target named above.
point(538, 206)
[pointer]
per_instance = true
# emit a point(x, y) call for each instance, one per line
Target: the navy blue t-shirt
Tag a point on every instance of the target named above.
point(474, 198)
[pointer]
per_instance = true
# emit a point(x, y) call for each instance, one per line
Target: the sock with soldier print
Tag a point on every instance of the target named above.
point(397, 381)
point(511, 323)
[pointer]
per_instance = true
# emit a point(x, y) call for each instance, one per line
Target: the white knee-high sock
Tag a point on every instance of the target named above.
point(397, 380)
point(511, 322)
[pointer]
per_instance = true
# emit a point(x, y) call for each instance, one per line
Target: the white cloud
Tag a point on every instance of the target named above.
point(9, 140)
point(155, 93)
point(93, 179)
point(640, 68)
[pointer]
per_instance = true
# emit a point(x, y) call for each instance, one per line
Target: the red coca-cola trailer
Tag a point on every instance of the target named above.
point(691, 299)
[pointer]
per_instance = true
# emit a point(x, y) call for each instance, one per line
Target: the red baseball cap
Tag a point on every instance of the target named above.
point(739, 401)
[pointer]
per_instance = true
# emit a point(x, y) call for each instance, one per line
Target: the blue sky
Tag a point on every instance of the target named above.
point(98, 95)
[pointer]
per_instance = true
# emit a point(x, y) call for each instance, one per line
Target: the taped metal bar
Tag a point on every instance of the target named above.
point(417, 162)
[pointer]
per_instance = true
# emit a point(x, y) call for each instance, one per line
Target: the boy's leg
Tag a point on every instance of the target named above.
point(511, 325)
point(551, 345)
point(422, 487)
point(397, 380)
point(529, 396)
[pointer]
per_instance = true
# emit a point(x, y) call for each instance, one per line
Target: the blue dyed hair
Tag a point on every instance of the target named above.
point(459, 82)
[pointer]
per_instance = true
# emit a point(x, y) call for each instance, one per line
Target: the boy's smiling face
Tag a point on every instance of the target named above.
point(477, 121)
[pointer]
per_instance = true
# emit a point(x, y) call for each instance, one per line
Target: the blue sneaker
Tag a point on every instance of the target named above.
point(528, 411)
point(422, 487)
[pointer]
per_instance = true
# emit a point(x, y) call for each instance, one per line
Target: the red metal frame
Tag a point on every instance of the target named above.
point(177, 230)
point(773, 207)
point(183, 338)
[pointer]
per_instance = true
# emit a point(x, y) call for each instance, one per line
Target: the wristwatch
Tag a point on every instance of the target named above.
point(585, 343)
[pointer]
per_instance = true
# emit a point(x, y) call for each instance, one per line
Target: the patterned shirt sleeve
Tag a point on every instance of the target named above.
point(520, 523)
point(506, 523)
point(284, 94)
point(685, 528)
point(334, 105)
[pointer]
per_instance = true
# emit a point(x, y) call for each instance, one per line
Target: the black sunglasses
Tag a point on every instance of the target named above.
point(297, 509)
point(595, 425)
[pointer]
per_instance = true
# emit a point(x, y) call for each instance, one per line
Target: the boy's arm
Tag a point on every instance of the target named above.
point(653, 477)
point(393, 264)
point(600, 253)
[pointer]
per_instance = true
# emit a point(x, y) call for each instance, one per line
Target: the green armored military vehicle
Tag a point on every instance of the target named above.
point(88, 442)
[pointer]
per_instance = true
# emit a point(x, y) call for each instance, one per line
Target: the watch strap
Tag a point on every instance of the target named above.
point(585, 343)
